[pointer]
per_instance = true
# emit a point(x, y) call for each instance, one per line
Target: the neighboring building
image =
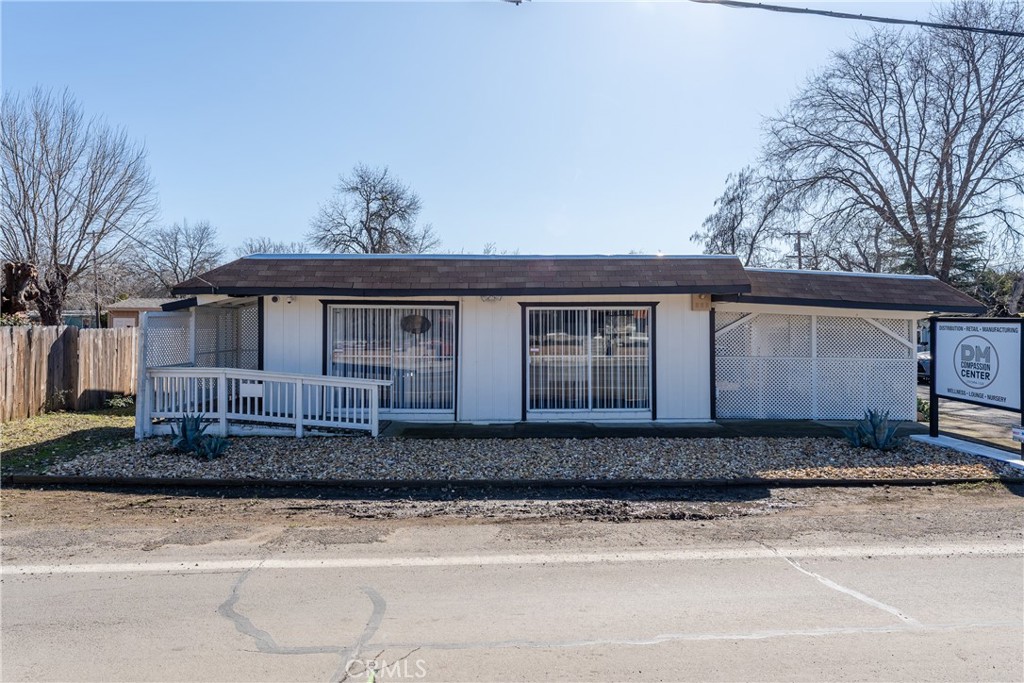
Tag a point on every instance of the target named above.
point(72, 318)
point(126, 313)
point(579, 338)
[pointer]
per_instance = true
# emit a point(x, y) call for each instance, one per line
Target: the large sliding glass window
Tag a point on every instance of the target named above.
point(413, 346)
point(588, 359)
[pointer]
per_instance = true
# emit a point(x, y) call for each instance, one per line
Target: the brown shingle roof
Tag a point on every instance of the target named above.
point(855, 290)
point(139, 304)
point(723, 276)
point(456, 275)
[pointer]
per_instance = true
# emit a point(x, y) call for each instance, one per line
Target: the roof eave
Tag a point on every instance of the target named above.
point(840, 303)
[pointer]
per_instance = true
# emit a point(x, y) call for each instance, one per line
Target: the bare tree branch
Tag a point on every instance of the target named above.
point(908, 143)
point(372, 212)
point(69, 187)
point(180, 252)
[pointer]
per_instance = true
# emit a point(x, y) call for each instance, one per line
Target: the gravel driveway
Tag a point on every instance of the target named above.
point(503, 459)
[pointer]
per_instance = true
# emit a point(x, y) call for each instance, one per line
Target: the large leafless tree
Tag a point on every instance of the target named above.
point(372, 212)
point(73, 192)
point(749, 219)
point(179, 252)
point(909, 138)
point(267, 245)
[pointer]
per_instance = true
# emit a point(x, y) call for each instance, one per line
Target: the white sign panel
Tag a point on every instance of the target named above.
point(978, 362)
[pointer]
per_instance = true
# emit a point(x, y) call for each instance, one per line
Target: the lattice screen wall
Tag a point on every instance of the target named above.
point(167, 339)
point(227, 337)
point(813, 366)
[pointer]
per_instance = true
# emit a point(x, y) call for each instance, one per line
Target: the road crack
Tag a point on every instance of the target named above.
point(266, 643)
point(866, 599)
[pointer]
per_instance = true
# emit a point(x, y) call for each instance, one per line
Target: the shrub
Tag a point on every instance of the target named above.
point(923, 406)
point(14, 319)
point(120, 401)
point(874, 432)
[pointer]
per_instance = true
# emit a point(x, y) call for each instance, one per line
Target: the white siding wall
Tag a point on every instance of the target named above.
point(491, 352)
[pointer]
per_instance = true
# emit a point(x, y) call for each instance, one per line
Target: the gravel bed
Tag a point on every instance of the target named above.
point(502, 459)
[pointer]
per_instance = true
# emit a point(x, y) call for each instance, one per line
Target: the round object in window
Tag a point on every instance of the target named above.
point(415, 324)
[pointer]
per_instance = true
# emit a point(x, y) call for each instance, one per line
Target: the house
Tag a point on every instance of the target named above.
point(125, 313)
point(542, 338)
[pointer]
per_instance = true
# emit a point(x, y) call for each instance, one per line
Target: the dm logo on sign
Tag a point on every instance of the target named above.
point(976, 362)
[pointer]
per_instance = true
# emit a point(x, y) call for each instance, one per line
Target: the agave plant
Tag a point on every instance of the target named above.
point(874, 432)
point(212, 447)
point(189, 433)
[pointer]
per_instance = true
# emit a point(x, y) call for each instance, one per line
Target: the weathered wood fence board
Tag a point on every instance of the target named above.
point(50, 368)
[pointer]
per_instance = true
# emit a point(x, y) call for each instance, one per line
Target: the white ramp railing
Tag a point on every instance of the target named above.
point(253, 401)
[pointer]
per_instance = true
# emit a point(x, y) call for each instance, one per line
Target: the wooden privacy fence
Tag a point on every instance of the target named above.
point(53, 368)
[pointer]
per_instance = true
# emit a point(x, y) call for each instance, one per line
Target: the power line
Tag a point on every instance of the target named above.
point(737, 4)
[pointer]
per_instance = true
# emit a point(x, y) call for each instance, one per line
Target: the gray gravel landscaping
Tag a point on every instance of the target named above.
point(503, 459)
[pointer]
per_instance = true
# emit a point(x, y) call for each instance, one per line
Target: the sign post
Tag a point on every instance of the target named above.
point(977, 361)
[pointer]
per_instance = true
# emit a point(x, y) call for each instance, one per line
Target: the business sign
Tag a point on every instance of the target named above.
point(978, 361)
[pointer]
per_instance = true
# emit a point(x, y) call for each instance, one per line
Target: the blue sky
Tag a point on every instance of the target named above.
point(551, 127)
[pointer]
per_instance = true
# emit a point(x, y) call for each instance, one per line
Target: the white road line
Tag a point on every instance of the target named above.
point(910, 621)
point(748, 553)
point(710, 636)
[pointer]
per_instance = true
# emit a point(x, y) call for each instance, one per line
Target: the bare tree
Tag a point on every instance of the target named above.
point(909, 137)
point(372, 212)
point(266, 245)
point(492, 249)
point(180, 252)
point(73, 192)
point(748, 220)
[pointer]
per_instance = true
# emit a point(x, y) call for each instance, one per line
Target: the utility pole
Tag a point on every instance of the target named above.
point(96, 274)
point(799, 246)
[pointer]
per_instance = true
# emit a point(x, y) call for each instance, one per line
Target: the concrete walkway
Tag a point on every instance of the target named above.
point(975, 423)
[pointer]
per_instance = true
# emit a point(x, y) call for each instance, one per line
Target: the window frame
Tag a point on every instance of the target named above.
point(391, 304)
point(650, 413)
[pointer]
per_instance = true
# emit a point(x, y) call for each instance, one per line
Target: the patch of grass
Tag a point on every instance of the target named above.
point(30, 446)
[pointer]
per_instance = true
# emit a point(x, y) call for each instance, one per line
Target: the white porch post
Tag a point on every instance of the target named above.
point(222, 402)
point(299, 409)
point(192, 336)
point(143, 425)
point(374, 410)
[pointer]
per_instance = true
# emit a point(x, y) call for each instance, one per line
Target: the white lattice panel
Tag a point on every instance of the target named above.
point(739, 387)
point(840, 389)
point(725, 318)
point(904, 329)
point(167, 340)
point(766, 367)
point(891, 386)
point(843, 337)
point(787, 389)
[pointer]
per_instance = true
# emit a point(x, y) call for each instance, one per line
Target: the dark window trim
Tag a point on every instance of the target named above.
point(261, 323)
point(838, 303)
point(325, 304)
point(712, 352)
point(653, 305)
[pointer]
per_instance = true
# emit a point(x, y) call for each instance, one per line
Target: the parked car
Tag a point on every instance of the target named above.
point(924, 367)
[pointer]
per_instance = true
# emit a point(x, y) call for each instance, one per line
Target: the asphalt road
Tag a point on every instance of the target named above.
point(795, 594)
